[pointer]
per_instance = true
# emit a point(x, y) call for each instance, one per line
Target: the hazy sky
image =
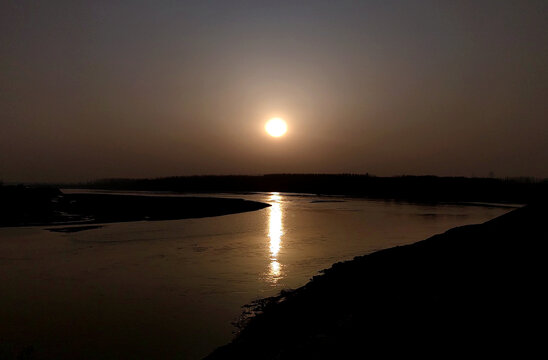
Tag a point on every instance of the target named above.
point(94, 89)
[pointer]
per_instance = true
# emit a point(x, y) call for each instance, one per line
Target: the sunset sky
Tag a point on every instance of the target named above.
point(95, 89)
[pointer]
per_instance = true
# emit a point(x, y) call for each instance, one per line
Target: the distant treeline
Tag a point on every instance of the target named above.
point(413, 188)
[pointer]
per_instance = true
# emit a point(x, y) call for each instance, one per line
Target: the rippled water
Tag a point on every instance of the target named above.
point(170, 289)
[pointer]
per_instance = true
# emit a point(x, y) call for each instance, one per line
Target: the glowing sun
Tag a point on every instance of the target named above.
point(276, 127)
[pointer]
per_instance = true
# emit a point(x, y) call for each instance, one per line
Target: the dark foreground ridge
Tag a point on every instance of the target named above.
point(474, 290)
point(23, 206)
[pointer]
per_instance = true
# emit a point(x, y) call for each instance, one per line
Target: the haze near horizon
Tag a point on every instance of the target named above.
point(149, 89)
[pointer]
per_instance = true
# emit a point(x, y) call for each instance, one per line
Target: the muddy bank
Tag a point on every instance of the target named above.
point(476, 289)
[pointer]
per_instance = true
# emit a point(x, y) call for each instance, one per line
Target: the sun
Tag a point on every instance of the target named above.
point(276, 127)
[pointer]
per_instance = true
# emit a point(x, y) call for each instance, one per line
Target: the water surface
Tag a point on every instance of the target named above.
point(170, 289)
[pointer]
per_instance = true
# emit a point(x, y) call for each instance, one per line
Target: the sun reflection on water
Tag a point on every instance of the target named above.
point(275, 270)
point(275, 233)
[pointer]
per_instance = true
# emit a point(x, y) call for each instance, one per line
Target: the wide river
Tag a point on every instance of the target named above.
point(170, 289)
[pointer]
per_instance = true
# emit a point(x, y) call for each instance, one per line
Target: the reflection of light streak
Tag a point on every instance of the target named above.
point(275, 232)
point(275, 269)
point(275, 229)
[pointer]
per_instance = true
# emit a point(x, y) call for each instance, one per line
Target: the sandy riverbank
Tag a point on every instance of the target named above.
point(475, 289)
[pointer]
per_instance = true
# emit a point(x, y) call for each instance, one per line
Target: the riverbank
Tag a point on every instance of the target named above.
point(22, 206)
point(475, 289)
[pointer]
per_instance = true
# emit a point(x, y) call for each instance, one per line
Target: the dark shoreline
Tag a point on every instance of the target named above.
point(432, 189)
point(49, 207)
point(475, 289)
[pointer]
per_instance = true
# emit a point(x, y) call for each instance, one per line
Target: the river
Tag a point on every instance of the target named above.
point(170, 289)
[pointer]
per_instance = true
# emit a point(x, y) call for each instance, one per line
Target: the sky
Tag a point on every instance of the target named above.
point(105, 89)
